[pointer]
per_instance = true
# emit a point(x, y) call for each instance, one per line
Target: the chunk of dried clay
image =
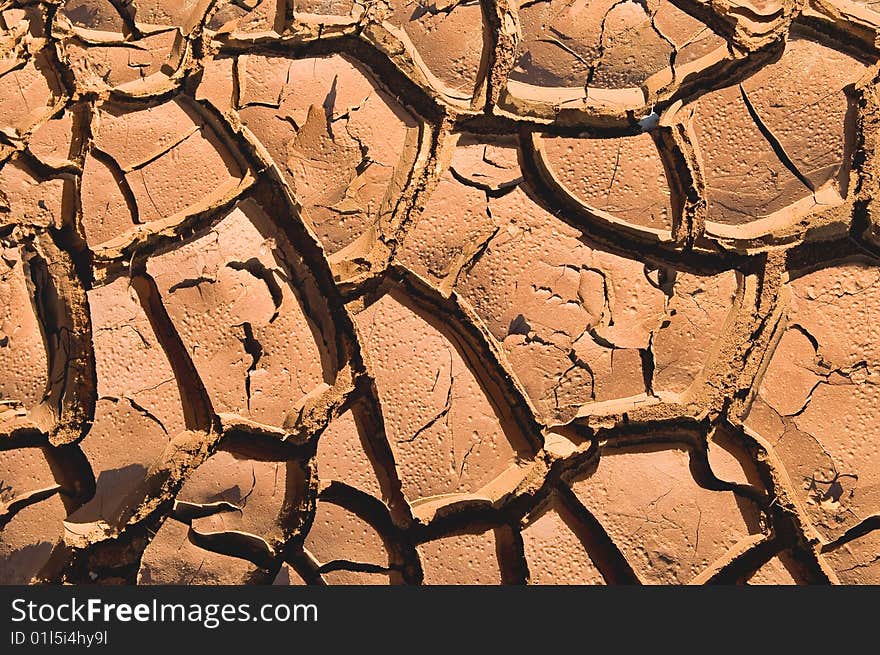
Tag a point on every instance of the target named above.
point(730, 460)
point(565, 313)
point(745, 179)
point(172, 558)
point(106, 209)
point(229, 295)
point(555, 551)
point(129, 360)
point(775, 148)
point(251, 16)
point(444, 433)
point(51, 142)
point(622, 180)
point(455, 224)
point(168, 13)
point(560, 42)
point(819, 395)
point(146, 147)
point(22, 352)
point(119, 472)
point(323, 8)
point(698, 315)
point(344, 542)
point(448, 40)
point(468, 558)
point(451, 230)
point(346, 577)
point(13, 19)
point(630, 47)
point(29, 92)
point(239, 494)
point(160, 193)
point(491, 165)
point(135, 67)
point(606, 45)
point(137, 394)
point(344, 146)
point(691, 38)
point(667, 526)
point(543, 293)
point(811, 121)
point(31, 513)
point(28, 200)
point(857, 562)
point(96, 15)
point(775, 572)
point(217, 84)
point(342, 457)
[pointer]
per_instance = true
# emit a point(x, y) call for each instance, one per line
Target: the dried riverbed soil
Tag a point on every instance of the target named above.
point(478, 291)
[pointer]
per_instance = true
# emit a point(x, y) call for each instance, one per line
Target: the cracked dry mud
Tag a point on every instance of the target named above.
point(344, 292)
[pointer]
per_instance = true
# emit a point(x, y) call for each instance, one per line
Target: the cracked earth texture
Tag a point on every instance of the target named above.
point(370, 292)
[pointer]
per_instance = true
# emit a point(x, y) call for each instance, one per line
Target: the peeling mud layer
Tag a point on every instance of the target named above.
point(466, 292)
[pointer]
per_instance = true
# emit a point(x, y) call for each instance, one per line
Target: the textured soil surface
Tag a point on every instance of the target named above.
point(344, 292)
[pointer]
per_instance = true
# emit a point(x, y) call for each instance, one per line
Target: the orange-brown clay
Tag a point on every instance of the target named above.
point(501, 292)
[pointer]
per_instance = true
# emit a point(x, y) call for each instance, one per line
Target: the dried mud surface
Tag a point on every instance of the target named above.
point(470, 292)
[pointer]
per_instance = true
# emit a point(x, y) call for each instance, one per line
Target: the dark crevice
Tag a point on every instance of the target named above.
point(8, 509)
point(256, 268)
point(253, 348)
point(197, 409)
point(187, 512)
point(771, 138)
point(121, 182)
point(860, 529)
point(236, 544)
point(604, 553)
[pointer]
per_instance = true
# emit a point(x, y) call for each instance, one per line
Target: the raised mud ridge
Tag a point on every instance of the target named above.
point(466, 292)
